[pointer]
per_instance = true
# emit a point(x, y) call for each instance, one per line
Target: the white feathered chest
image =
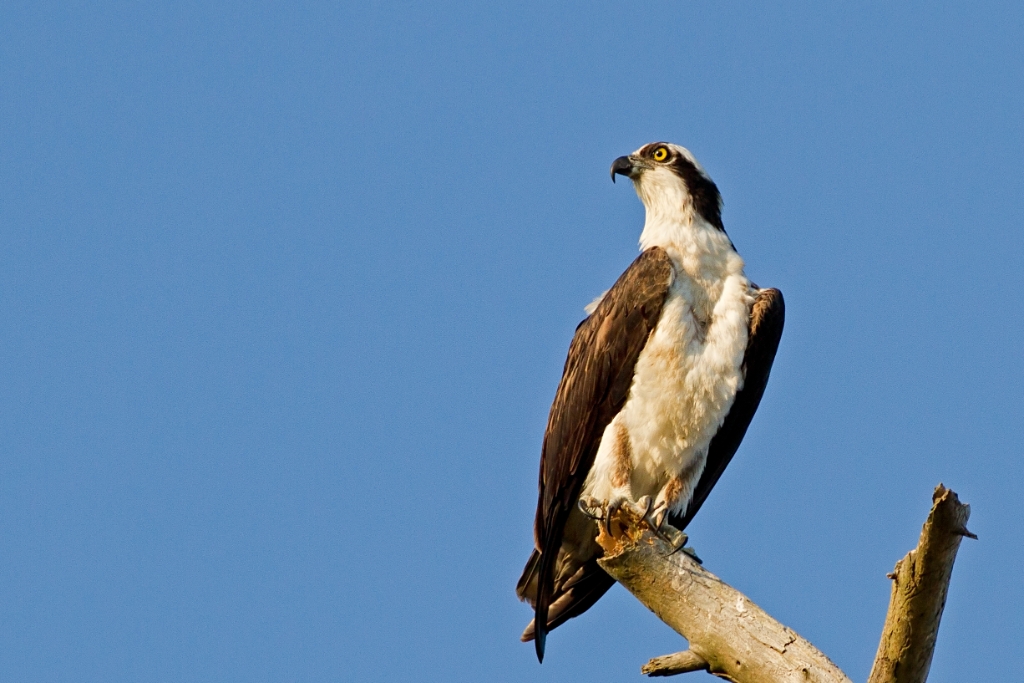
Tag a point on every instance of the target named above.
point(684, 384)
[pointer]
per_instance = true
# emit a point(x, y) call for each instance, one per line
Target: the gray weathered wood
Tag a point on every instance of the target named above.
point(678, 663)
point(735, 637)
point(919, 585)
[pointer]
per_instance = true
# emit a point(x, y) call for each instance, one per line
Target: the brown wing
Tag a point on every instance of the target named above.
point(766, 320)
point(595, 384)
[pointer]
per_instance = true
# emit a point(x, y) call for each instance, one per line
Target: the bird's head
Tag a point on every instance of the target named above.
point(671, 183)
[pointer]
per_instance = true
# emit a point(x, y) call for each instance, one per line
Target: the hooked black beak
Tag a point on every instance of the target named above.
point(622, 166)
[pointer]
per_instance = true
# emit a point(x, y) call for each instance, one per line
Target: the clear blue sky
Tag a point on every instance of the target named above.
point(286, 288)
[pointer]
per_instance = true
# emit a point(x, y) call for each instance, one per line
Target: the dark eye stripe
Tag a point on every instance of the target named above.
point(706, 198)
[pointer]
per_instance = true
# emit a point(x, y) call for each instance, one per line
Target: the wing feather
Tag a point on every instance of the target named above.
point(595, 384)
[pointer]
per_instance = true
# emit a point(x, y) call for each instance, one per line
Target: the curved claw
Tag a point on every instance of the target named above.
point(664, 537)
point(613, 507)
point(655, 518)
point(689, 551)
point(591, 508)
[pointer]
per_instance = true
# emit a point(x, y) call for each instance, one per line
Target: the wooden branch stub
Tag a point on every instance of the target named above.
point(920, 582)
point(737, 639)
point(678, 663)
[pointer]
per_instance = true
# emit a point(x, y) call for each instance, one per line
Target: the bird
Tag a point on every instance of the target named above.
point(661, 381)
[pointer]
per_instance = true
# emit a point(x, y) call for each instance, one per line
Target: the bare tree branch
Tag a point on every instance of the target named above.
point(678, 663)
point(735, 639)
point(919, 585)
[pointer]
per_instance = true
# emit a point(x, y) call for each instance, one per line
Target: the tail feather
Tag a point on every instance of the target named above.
point(526, 589)
point(562, 579)
point(572, 597)
point(544, 594)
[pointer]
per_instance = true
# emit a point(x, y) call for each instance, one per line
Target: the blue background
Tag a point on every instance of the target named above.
point(286, 288)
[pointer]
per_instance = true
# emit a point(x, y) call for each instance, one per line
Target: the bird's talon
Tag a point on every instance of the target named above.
point(657, 530)
point(655, 517)
point(591, 508)
point(613, 507)
point(681, 545)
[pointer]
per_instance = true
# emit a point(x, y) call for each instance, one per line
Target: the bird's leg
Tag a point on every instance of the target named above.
point(668, 496)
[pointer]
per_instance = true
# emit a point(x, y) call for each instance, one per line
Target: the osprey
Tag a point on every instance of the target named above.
point(660, 384)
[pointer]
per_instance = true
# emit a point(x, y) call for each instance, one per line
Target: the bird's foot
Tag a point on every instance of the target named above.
point(653, 515)
point(592, 508)
point(603, 511)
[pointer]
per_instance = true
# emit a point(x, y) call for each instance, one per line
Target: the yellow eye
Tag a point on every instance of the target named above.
point(660, 154)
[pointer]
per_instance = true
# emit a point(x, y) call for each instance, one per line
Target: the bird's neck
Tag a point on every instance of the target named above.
point(697, 248)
